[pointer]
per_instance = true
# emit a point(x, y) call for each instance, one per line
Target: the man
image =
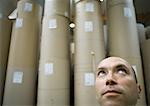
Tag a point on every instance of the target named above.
point(116, 83)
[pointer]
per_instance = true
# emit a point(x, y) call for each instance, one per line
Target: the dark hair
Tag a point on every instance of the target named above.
point(135, 75)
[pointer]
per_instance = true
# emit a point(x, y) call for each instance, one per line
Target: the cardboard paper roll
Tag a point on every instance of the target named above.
point(106, 37)
point(20, 87)
point(27, 8)
point(141, 32)
point(23, 61)
point(122, 31)
point(5, 24)
point(59, 7)
point(53, 97)
point(54, 69)
point(4, 49)
point(119, 2)
point(85, 86)
point(55, 35)
point(89, 48)
point(147, 31)
point(53, 74)
point(88, 33)
point(145, 47)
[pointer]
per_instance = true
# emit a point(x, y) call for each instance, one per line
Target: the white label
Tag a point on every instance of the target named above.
point(17, 77)
point(89, 79)
point(127, 12)
point(1, 15)
point(66, 14)
point(28, 7)
point(52, 24)
point(49, 68)
point(89, 7)
point(72, 48)
point(88, 26)
point(19, 22)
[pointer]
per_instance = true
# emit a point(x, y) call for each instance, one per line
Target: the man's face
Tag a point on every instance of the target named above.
point(115, 83)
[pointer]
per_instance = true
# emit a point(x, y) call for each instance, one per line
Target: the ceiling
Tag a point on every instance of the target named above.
point(142, 9)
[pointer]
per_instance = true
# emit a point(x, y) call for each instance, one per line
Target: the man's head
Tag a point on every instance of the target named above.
point(116, 83)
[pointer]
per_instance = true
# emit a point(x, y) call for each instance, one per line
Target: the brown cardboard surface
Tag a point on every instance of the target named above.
point(23, 93)
point(145, 47)
point(82, 91)
point(53, 97)
point(5, 36)
point(27, 8)
point(88, 45)
point(23, 57)
point(141, 32)
point(89, 48)
point(59, 7)
point(58, 78)
point(122, 31)
point(55, 41)
point(147, 31)
point(54, 71)
point(116, 2)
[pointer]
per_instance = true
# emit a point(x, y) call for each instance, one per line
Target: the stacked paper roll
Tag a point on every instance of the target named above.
point(5, 35)
point(4, 48)
point(147, 31)
point(89, 50)
point(54, 68)
point(20, 87)
point(123, 37)
point(145, 47)
point(141, 32)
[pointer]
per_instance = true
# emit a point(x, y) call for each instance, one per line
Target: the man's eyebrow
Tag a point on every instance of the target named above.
point(100, 68)
point(121, 65)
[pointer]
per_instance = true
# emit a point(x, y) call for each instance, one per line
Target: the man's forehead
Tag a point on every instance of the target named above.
point(112, 62)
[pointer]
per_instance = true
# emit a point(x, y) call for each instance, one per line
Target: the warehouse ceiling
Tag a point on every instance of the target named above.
point(142, 8)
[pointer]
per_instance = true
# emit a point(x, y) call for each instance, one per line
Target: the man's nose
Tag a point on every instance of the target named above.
point(111, 80)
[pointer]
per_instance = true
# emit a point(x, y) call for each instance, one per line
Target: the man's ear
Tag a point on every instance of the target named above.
point(139, 90)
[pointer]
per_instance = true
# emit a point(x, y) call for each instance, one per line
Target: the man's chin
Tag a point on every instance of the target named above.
point(112, 100)
point(112, 103)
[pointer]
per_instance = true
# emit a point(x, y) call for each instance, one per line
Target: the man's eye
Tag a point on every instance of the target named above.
point(101, 73)
point(122, 71)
